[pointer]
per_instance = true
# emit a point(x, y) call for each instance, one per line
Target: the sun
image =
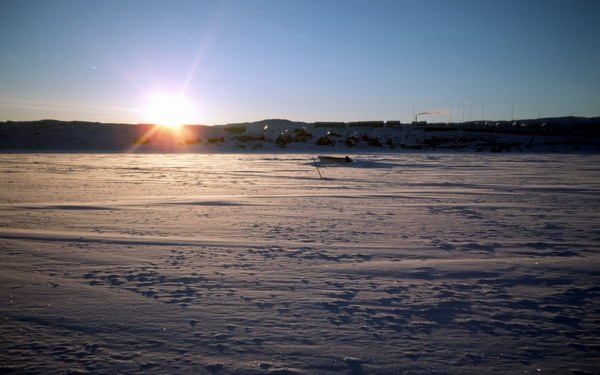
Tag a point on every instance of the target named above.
point(171, 111)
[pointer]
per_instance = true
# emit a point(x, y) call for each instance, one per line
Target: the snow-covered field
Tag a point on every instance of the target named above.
point(250, 264)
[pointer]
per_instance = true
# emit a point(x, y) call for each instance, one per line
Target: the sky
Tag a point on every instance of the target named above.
point(227, 61)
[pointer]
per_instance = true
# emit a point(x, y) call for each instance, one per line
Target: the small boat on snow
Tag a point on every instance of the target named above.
point(335, 159)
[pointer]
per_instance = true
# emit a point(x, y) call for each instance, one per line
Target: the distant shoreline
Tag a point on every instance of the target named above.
point(564, 134)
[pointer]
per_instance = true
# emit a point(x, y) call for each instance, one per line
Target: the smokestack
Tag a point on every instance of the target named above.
point(434, 112)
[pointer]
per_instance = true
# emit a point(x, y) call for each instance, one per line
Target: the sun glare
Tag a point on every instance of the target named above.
point(169, 110)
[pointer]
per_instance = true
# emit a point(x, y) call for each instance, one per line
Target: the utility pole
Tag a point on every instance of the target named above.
point(512, 116)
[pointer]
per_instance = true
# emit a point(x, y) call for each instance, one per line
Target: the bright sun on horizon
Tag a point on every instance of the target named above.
point(167, 110)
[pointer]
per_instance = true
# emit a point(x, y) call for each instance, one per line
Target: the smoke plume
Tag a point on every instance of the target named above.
point(435, 112)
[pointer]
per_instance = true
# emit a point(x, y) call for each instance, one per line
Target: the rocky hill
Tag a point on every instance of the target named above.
point(567, 134)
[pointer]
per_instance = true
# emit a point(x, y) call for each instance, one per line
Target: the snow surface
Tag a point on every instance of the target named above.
point(249, 264)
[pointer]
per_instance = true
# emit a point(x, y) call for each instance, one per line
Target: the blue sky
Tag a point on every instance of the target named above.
point(324, 60)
